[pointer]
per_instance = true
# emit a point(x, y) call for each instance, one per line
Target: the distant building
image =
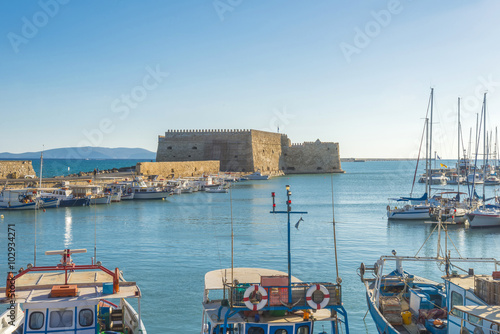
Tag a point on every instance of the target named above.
point(249, 151)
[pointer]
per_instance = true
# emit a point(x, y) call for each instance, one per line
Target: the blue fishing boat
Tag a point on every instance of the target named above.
point(266, 301)
point(402, 302)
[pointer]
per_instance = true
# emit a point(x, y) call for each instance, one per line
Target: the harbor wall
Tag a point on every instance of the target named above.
point(249, 151)
point(178, 168)
point(10, 169)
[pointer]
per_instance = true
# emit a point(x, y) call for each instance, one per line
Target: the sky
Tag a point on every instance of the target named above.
point(120, 73)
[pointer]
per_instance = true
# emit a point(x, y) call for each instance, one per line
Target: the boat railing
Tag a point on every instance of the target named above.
point(278, 295)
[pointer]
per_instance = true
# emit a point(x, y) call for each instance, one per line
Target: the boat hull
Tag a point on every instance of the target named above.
point(74, 202)
point(151, 195)
point(484, 220)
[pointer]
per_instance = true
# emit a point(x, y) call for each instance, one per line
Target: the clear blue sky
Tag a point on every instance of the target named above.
point(74, 73)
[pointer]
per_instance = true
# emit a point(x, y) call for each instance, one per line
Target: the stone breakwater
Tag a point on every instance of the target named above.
point(14, 169)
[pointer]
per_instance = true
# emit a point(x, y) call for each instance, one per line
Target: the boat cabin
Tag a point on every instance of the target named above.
point(256, 301)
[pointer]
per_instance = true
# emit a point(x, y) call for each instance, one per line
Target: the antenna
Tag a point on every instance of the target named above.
point(288, 212)
point(334, 234)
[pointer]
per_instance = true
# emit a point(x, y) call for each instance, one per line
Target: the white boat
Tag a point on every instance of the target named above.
point(142, 191)
point(65, 196)
point(257, 176)
point(492, 180)
point(100, 199)
point(403, 303)
point(409, 212)
point(19, 199)
point(69, 298)
point(218, 189)
point(484, 217)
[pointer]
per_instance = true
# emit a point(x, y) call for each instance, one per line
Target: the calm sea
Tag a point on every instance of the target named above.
point(168, 246)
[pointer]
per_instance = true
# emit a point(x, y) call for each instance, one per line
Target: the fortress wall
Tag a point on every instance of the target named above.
point(10, 169)
point(266, 148)
point(178, 169)
point(311, 158)
point(232, 148)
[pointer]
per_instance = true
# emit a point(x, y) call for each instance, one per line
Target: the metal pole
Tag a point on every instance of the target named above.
point(289, 208)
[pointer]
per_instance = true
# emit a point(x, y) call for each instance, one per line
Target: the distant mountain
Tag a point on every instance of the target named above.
point(85, 153)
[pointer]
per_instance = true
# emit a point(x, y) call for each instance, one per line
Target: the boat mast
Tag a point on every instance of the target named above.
point(430, 138)
point(41, 168)
point(458, 152)
point(427, 156)
point(288, 212)
point(484, 146)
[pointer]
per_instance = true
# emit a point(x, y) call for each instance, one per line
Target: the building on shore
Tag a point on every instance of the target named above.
point(249, 151)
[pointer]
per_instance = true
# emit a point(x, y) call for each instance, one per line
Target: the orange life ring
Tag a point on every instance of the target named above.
point(129, 190)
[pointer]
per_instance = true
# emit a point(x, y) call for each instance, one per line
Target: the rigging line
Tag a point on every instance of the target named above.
point(478, 136)
point(426, 239)
point(447, 235)
point(418, 159)
point(334, 234)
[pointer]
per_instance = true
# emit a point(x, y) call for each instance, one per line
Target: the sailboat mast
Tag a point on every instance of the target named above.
point(484, 145)
point(458, 151)
point(41, 169)
point(426, 155)
point(430, 137)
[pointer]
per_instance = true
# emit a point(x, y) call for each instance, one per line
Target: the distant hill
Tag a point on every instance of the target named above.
point(85, 153)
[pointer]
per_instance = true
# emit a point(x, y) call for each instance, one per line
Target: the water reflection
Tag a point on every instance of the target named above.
point(68, 222)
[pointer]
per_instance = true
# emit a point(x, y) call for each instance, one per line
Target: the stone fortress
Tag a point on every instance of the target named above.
point(249, 151)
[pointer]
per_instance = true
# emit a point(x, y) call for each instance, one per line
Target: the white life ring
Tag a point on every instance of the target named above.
point(326, 296)
point(248, 292)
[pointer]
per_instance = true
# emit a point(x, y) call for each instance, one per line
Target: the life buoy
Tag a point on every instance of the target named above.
point(263, 300)
point(129, 190)
point(388, 208)
point(326, 296)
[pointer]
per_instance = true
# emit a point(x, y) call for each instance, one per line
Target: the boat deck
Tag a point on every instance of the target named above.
point(36, 287)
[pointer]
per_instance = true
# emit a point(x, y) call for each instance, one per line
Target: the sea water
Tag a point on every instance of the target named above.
point(168, 246)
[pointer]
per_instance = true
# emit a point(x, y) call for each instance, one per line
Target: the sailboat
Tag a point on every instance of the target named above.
point(484, 216)
point(408, 208)
point(403, 303)
point(266, 301)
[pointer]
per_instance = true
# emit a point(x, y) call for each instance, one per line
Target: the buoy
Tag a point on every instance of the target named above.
point(1, 216)
point(43, 210)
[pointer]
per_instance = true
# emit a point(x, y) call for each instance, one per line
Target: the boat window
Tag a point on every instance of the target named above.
point(86, 317)
point(36, 320)
point(281, 331)
point(61, 319)
point(456, 300)
point(475, 320)
point(256, 330)
point(303, 330)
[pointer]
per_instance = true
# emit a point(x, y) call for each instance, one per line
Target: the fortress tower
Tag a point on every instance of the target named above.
point(249, 151)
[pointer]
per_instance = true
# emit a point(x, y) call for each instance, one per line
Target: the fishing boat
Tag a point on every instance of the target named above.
point(219, 189)
point(65, 196)
point(267, 301)
point(402, 302)
point(257, 176)
point(19, 199)
point(69, 298)
point(142, 190)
